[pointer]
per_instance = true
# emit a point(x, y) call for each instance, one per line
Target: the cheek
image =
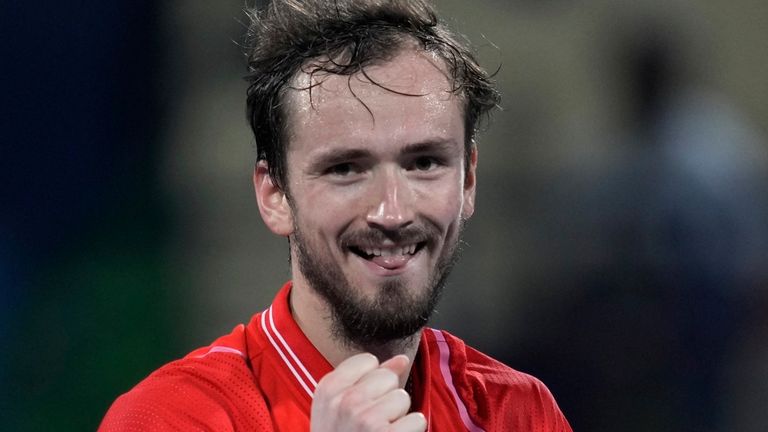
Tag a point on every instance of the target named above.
point(443, 202)
point(328, 212)
point(335, 202)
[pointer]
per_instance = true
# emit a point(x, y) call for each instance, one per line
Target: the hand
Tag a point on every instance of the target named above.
point(362, 395)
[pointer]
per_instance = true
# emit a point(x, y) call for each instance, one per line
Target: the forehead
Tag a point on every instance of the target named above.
point(403, 99)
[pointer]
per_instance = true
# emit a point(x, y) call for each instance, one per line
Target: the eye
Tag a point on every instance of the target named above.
point(425, 163)
point(341, 169)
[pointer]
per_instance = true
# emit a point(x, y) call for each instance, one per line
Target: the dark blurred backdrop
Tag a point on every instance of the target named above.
point(618, 251)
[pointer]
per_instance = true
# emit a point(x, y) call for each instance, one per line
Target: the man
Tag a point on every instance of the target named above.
point(364, 114)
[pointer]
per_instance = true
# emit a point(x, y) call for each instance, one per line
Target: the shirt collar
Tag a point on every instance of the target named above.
point(305, 363)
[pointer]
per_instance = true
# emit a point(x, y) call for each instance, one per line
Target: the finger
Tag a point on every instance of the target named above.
point(375, 384)
point(348, 372)
point(389, 407)
point(398, 364)
point(413, 422)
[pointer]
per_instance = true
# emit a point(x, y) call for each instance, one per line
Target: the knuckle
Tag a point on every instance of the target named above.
point(420, 422)
point(325, 382)
point(386, 377)
point(349, 402)
point(391, 377)
point(402, 396)
point(363, 360)
point(322, 391)
point(329, 384)
point(368, 422)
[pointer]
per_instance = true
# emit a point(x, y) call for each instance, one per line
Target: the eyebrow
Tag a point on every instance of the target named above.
point(337, 156)
point(333, 157)
point(439, 144)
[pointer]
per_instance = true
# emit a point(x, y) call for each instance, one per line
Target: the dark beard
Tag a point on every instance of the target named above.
point(394, 315)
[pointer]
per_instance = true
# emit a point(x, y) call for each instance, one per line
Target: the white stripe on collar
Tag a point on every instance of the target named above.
point(282, 354)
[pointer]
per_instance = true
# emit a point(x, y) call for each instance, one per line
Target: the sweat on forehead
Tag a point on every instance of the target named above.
point(411, 72)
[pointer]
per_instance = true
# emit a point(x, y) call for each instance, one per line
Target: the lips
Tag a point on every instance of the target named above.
point(387, 257)
point(389, 251)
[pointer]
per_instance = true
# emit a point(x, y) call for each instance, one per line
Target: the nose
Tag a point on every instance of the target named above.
point(392, 202)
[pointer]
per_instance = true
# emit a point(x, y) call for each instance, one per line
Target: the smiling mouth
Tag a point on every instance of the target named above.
point(371, 253)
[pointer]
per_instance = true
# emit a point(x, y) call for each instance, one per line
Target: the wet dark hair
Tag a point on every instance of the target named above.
point(343, 37)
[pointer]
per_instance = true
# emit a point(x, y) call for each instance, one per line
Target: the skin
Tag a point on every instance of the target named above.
point(350, 171)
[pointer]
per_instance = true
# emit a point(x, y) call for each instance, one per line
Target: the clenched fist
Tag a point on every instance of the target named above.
point(362, 395)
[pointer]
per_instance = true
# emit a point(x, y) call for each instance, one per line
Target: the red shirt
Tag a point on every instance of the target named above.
point(261, 377)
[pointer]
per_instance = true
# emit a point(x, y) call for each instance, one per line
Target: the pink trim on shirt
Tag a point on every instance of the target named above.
point(445, 357)
point(222, 349)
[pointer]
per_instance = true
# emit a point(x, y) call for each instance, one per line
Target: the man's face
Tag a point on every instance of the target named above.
point(378, 192)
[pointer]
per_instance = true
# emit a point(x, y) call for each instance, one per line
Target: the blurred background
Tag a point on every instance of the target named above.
point(618, 251)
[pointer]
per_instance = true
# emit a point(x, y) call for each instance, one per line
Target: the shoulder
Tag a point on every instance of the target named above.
point(212, 388)
point(481, 370)
point(498, 394)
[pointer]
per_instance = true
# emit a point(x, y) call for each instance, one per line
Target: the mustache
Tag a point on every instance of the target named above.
point(373, 236)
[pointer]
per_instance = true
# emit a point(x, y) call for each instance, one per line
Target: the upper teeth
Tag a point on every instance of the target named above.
point(403, 250)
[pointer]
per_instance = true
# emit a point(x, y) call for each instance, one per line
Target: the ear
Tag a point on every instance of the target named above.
point(273, 202)
point(470, 185)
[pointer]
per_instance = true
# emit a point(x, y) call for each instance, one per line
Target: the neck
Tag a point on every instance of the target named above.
point(313, 315)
